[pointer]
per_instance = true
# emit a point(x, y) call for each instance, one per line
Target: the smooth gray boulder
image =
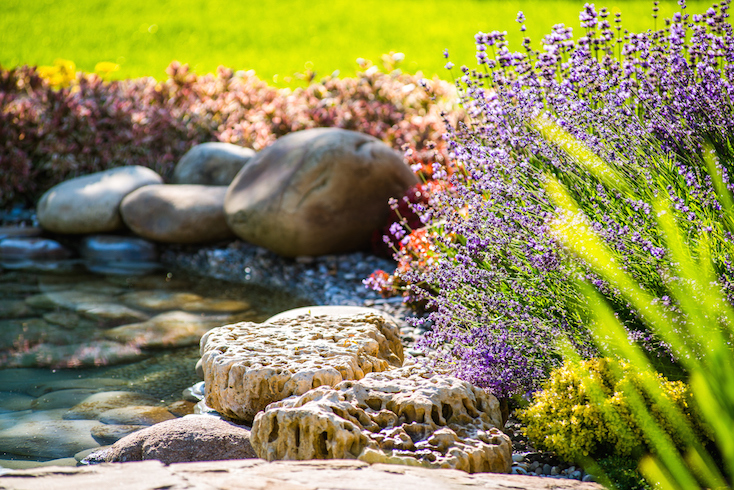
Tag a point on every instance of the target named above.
point(177, 213)
point(211, 164)
point(315, 192)
point(191, 438)
point(90, 204)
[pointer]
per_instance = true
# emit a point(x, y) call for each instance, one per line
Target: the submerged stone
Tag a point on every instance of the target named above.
point(35, 248)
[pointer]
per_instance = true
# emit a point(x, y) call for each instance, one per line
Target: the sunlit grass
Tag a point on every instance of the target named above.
point(276, 37)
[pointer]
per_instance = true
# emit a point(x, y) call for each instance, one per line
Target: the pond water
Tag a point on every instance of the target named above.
point(82, 352)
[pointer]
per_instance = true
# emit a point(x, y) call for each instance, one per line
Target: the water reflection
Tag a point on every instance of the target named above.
point(66, 337)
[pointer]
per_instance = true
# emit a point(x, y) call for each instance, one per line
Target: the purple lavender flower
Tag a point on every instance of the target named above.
point(501, 291)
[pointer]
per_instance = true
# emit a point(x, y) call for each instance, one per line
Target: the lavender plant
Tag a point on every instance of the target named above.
point(500, 285)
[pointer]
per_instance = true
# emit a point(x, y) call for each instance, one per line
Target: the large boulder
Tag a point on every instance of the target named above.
point(249, 365)
point(177, 213)
point(211, 164)
point(405, 416)
point(191, 438)
point(90, 204)
point(316, 192)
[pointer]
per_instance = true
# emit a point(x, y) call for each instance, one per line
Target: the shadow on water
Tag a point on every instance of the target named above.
point(67, 333)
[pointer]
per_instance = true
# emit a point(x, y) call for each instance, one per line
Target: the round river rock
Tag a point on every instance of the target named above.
point(315, 192)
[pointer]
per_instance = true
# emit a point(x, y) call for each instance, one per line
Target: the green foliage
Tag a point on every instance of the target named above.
point(699, 332)
point(272, 37)
point(623, 473)
point(583, 410)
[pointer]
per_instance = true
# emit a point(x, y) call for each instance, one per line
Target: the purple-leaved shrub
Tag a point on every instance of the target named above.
point(499, 284)
point(49, 134)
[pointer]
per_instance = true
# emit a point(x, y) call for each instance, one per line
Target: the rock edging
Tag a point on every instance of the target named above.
point(258, 474)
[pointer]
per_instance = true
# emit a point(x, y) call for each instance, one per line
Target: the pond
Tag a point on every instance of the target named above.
point(86, 358)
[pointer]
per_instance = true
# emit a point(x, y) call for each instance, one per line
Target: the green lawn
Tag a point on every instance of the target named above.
point(276, 37)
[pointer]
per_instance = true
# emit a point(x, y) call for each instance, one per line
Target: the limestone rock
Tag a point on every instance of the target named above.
point(211, 164)
point(170, 329)
point(249, 365)
point(434, 421)
point(330, 310)
point(191, 438)
point(32, 248)
point(90, 204)
point(94, 405)
point(177, 213)
point(315, 192)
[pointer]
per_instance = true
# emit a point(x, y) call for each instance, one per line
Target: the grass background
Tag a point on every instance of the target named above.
point(278, 38)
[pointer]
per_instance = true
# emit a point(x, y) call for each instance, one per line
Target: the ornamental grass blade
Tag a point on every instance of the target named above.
point(702, 304)
point(581, 154)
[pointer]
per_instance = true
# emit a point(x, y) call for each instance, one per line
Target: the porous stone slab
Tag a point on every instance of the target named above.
point(256, 474)
point(90, 204)
point(192, 438)
point(315, 192)
point(249, 365)
point(213, 163)
point(177, 213)
point(405, 416)
point(331, 310)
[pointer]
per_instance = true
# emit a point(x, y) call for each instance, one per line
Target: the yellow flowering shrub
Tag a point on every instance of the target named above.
point(583, 410)
point(60, 75)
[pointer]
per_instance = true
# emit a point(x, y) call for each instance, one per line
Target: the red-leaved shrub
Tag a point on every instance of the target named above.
point(48, 135)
